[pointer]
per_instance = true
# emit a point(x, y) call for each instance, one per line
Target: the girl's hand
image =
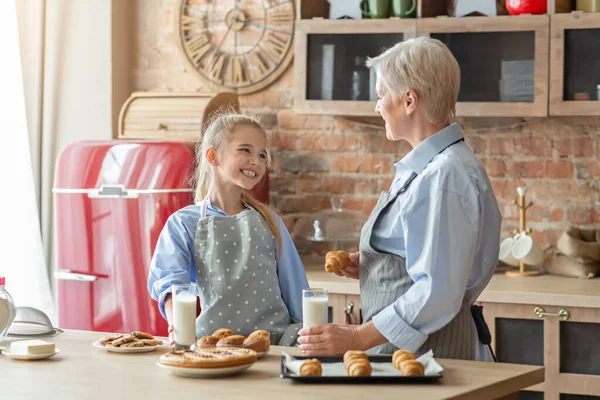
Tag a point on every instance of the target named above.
point(171, 337)
point(352, 270)
point(331, 339)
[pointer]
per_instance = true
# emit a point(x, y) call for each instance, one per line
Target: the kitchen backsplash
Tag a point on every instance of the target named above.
point(316, 156)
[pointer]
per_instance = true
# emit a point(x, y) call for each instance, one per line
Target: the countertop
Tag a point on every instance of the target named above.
point(81, 371)
point(551, 290)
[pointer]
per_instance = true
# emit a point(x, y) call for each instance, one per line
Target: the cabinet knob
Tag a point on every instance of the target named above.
point(563, 314)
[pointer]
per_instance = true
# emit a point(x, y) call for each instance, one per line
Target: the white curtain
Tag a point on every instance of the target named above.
point(22, 258)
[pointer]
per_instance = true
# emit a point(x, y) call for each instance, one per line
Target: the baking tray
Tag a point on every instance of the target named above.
point(285, 373)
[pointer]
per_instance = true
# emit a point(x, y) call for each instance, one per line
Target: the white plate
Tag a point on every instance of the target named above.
point(7, 353)
point(144, 349)
point(264, 353)
point(204, 372)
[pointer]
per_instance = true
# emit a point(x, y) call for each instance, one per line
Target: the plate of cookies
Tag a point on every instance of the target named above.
point(135, 342)
point(208, 362)
point(358, 367)
point(259, 341)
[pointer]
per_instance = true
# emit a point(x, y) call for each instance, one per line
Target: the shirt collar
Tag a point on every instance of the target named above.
point(418, 158)
point(210, 206)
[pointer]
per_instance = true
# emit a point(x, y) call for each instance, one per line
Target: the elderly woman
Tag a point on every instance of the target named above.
point(430, 246)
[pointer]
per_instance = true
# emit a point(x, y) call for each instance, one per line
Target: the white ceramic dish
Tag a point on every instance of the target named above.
point(204, 372)
point(264, 353)
point(144, 349)
point(7, 353)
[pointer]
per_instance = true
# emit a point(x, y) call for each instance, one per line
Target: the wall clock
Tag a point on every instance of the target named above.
point(237, 45)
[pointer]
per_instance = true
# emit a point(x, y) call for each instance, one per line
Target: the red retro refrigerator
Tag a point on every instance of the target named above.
point(111, 201)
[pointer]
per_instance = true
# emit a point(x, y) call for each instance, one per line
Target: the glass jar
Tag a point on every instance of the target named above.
point(360, 80)
point(7, 310)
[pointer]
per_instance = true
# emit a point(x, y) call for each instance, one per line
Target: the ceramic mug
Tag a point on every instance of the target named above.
point(505, 254)
point(376, 8)
point(404, 8)
point(528, 251)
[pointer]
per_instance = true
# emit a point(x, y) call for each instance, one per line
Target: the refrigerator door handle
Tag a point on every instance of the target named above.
point(68, 275)
point(113, 191)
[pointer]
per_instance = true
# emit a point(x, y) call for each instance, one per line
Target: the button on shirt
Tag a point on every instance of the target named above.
point(173, 259)
point(446, 226)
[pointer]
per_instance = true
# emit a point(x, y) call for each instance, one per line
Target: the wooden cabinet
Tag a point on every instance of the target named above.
point(574, 64)
point(344, 309)
point(503, 62)
point(496, 56)
point(549, 321)
point(329, 65)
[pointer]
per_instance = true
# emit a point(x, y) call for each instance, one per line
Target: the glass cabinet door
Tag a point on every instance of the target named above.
point(329, 65)
point(503, 62)
point(574, 64)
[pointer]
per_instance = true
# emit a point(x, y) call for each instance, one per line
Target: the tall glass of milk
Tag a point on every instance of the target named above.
point(184, 315)
point(314, 307)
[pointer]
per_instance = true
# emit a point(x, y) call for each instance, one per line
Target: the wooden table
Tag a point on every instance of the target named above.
point(81, 371)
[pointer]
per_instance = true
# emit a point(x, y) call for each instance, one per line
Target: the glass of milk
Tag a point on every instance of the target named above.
point(314, 307)
point(184, 315)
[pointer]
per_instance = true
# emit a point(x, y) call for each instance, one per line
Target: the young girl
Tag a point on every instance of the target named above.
point(236, 249)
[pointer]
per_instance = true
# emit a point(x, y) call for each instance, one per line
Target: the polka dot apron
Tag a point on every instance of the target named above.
point(236, 274)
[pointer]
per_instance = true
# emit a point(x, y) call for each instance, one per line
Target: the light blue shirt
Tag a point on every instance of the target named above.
point(446, 226)
point(173, 259)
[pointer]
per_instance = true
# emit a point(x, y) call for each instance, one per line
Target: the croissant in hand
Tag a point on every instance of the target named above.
point(336, 261)
point(311, 368)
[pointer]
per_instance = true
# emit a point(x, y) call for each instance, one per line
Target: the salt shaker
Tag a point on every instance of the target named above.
point(7, 309)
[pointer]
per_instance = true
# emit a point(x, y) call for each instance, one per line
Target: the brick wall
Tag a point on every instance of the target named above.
point(316, 156)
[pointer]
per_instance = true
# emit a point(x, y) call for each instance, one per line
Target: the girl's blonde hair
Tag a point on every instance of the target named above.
point(216, 135)
point(426, 66)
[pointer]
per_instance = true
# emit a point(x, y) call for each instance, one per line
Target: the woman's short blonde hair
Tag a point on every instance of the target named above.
point(426, 66)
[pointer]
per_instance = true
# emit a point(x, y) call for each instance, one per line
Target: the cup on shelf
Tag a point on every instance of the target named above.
point(505, 254)
point(527, 250)
point(376, 8)
point(404, 8)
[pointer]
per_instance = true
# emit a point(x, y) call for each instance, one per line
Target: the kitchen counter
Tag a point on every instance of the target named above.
point(81, 371)
point(545, 289)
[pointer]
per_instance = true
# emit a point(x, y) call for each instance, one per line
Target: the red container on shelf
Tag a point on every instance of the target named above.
point(516, 7)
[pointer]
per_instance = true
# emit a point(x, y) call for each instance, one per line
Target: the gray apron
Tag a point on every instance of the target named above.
point(383, 279)
point(237, 280)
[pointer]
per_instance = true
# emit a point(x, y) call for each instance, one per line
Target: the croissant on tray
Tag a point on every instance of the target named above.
point(400, 356)
point(336, 261)
point(311, 367)
point(412, 368)
point(358, 367)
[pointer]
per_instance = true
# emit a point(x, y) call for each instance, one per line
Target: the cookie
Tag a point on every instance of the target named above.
point(121, 341)
point(135, 343)
point(151, 342)
point(223, 333)
point(259, 345)
point(209, 358)
point(142, 335)
point(109, 338)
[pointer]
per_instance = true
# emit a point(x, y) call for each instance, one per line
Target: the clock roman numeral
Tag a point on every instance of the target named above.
point(197, 47)
point(281, 17)
point(236, 71)
point(257, 61)
point(193, 22)
point(215, 68)
point(274, 3)
point(274, 46)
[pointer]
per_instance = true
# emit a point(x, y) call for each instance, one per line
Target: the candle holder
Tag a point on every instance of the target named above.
point(520, 203)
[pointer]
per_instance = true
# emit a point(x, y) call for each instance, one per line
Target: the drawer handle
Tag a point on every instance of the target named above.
point(563, 314)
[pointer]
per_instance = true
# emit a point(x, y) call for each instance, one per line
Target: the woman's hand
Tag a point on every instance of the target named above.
point(352, 270)
point(331, 339)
